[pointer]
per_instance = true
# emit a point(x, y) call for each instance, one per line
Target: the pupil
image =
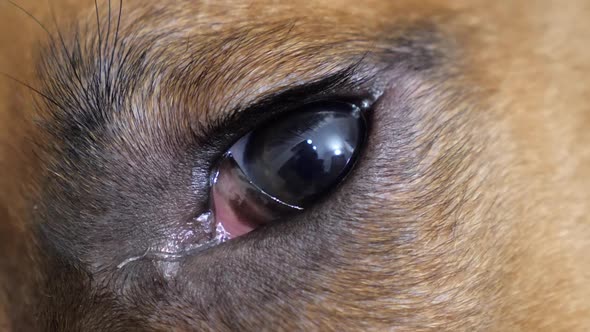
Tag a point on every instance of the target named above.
point(303, 154)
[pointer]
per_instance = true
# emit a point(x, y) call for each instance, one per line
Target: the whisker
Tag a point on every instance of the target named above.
point(33, 89)
point(99, 79)
point(116, 38)
point(30, 15)
point(106, 43)
point(66, 51)
point(108, 24)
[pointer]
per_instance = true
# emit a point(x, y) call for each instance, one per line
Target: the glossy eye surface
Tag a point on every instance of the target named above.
point(305, 153)
point(273, 171)
point(285, 165)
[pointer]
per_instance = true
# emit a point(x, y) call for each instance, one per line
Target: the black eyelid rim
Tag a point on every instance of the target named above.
point(344, 86)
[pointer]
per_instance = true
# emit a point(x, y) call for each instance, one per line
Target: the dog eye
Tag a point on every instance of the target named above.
point(302, 155)
point(287, 164)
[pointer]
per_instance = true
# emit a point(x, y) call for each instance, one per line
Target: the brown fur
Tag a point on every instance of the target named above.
point(468, 210)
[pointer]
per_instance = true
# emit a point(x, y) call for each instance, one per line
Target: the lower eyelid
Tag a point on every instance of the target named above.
point(239, 205)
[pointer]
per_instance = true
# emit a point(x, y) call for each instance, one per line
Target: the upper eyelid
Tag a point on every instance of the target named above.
point(344, 85)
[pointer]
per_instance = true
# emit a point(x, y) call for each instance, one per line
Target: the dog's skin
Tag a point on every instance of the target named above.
point(469, 208)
